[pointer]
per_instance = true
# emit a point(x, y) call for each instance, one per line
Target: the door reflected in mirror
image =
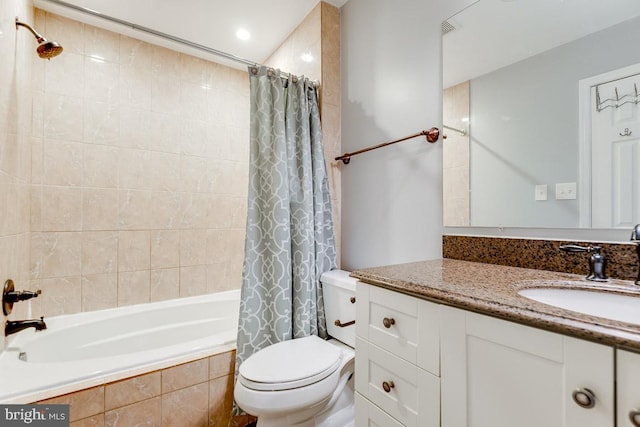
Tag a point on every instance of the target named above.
point(524, 84)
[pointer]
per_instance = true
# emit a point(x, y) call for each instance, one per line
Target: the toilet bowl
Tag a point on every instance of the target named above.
point(306, 382)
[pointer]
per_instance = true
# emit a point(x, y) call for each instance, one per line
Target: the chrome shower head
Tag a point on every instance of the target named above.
point(45, 49)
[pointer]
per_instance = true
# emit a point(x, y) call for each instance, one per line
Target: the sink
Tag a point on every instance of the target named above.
point(608, 305)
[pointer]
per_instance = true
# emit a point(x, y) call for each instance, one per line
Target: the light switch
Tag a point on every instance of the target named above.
point(541, 192)
point(566, 190)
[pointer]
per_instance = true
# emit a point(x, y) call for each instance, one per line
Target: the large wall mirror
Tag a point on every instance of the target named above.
point(541, 113)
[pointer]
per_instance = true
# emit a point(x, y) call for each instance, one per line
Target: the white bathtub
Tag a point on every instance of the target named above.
point(88, 349)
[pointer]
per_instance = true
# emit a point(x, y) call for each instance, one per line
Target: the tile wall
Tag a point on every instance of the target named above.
point(190, 395)
point(18, 48)
point(139, 172)
point(455, 156)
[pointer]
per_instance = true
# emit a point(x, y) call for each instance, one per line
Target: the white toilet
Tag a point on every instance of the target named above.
point(306, 382)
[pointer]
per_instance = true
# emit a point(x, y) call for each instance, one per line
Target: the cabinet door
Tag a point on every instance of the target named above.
point(496, 373)
point(628, 388)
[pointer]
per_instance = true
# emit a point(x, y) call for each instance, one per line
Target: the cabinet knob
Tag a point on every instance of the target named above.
point(584, 398)
point(353, 300)
point(387, 386)
point(634, 417)
point(388, 322)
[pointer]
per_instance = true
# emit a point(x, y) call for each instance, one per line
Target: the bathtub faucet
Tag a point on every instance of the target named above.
point(14, 326)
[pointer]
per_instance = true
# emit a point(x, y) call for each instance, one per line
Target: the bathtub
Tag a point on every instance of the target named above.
point(88, 349)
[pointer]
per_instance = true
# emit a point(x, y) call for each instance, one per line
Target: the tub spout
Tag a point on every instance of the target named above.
point(14, 326)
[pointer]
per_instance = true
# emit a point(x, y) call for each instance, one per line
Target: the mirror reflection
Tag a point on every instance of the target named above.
point(541, 114)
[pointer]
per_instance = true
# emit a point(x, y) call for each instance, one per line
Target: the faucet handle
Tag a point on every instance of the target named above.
point(635, 234)
point(597, 261)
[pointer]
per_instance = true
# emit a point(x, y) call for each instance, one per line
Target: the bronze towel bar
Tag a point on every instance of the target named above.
point(432, 135)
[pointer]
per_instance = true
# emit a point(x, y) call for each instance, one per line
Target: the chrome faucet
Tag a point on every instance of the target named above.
point(597, 261)
point(635, 238)
point(14, 326)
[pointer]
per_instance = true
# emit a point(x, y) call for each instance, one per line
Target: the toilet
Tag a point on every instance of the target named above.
point(306, 382)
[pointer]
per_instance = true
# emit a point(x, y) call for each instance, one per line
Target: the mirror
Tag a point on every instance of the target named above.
point(541, 114)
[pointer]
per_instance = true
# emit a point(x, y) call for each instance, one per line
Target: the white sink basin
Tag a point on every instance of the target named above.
point(624, 308)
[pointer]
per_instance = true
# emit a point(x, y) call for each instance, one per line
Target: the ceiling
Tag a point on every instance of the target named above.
point(494, 33)
point(211, 23)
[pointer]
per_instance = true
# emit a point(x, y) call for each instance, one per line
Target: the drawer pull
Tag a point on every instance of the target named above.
point(388, 322)
point(339, 324)
point(634, 417)
point(353, 300)
point(387, 386)
point(584, 398)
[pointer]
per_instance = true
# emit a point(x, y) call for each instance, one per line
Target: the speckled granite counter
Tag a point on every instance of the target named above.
point(493, 290)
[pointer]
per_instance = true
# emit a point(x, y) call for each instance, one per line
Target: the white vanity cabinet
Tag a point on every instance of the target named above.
point(496, 373)
point(397, 359)
point(628, 388)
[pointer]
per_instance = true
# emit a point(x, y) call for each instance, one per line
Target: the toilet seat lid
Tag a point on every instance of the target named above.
point(290, 364)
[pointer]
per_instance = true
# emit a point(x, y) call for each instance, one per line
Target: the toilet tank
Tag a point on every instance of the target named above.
point(339, 293)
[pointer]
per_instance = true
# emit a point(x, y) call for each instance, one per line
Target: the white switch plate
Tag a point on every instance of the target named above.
point(566, 191)
point(541, 192)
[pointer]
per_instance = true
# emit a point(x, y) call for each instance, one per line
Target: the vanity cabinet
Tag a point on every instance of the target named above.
point(628, 388)
point(397, 359)
point(496, 373)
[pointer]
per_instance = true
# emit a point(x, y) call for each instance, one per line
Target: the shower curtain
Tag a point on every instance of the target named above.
point(290, 240)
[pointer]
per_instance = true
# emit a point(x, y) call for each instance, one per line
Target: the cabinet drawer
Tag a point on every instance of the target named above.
point(412, 395)
point(401, 324)
point(369, 415)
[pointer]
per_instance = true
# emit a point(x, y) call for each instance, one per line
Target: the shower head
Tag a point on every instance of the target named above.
point(45, 49)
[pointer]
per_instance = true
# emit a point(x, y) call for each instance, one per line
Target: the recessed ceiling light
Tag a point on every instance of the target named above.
point(306, 57)
point(243, 34)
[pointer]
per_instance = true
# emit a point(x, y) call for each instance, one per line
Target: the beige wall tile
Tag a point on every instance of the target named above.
point(186, 407)
point(146, 141)
point(220, 400)
point(165, 284)
point(63, 208)
point(133, 287)
point(193, 248)
point(95, 421)
point(99, 209)
point(222, 364)
point(99, 252)
point(61, 295)
point(132, 390)
point(145, 413)
point(62, 163)
point(165, 248)
point(134, 250)
point(185, 375)
point(56, 254)
point(193, 280)
point(82, 404)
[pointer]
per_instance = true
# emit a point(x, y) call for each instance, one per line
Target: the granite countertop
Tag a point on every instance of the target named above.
point(493, 290)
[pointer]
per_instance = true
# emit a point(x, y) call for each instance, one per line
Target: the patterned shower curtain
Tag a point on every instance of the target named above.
point(290, 240)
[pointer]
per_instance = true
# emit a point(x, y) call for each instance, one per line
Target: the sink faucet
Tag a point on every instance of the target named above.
point(14, 326)
point(597, 261)
point(635, 237)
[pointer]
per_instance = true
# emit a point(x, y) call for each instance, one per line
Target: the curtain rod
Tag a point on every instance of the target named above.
point(151, 31)
point(432, 135)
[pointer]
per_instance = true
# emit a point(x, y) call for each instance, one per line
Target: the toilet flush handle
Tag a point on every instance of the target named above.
point(339, 324)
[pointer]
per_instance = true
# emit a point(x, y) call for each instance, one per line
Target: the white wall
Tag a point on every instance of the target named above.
point(391, 87)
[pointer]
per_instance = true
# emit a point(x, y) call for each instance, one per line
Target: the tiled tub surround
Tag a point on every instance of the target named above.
point(129, 168)
point(194, 394)
point(622, 260)
point(493, 290)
